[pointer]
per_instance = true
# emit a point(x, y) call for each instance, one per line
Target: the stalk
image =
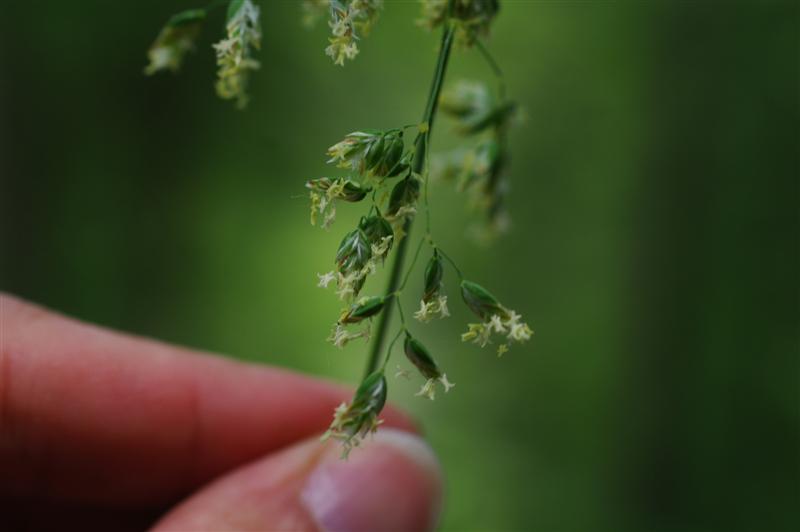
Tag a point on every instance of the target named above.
point(418, 165)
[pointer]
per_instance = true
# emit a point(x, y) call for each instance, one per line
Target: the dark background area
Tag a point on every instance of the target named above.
point(654, 247)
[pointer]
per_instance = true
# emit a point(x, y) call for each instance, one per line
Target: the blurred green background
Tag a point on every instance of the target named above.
point(654, 249)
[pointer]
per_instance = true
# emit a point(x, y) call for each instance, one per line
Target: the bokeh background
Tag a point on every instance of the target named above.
point(654, 247)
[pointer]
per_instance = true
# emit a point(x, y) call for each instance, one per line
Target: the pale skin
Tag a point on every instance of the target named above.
point(107, 431)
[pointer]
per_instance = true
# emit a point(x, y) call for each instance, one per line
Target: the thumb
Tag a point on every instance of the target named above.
point(391, 482)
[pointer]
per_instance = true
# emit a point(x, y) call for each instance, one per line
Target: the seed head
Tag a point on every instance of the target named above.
point(480, 301)
point(353, 422)
point(176, 38)
point(354, 252)
point(497, 319)
point(433, 302)
point(378, 152)
point(324, 193)
point(349, 18)
point(481, 169)
point(234, 53)
point(384, 157)
point(376, 228)
point(434, 12)
point(418, 355)
point(404, 197)
point(474, 108)
point(349, 152)
point(433, 277)
point(366, 307)
point(343, 189)
point(379, 234)
point(473, 17)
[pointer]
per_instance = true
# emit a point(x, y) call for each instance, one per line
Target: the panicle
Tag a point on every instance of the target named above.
point(481, 169)
point(349, 19)
point(234, 53)
point(474, 108)
point(474, 17)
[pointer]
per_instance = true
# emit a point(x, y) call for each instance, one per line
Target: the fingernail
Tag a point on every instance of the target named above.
point(390, 482)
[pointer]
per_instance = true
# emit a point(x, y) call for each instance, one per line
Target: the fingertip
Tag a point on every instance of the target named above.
point(390, 482)
point(393, 483)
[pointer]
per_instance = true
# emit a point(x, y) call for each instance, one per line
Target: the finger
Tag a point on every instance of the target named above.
point(46, 515)
point(89, 414)
point(392, 483)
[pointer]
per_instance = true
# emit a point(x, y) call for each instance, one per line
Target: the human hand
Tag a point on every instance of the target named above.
point(107, 431)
